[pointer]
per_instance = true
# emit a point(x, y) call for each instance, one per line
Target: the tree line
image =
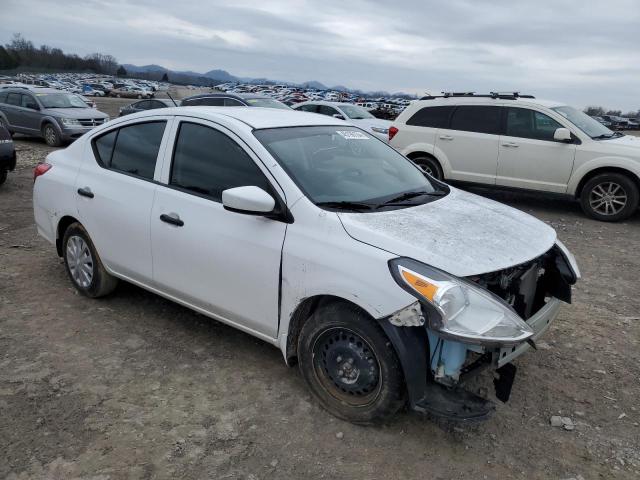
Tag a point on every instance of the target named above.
point(594, 111)
point(20, 52)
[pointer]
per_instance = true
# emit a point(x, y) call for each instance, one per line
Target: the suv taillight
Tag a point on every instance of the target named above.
point(392, 132)
point(41, 169)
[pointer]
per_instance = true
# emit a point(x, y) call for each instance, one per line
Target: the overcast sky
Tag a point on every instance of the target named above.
point(582, 52)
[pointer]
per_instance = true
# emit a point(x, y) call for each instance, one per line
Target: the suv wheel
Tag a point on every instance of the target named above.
point(430, 166)
point(609, 197)
point(51, 135)
point(3, 176)
point(350, 365)
point(83, 264)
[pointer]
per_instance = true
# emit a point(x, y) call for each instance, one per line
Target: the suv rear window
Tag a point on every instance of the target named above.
point(434, 117)
point(476, 118)
point(132, 149)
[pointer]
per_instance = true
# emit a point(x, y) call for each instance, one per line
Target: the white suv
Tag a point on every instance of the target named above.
point(520, 142)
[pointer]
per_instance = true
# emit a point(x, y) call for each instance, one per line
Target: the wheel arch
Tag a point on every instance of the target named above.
point(599, 170)
point(61, 228)
point(301, 314)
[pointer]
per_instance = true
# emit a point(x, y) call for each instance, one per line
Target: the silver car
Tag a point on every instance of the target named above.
point(58, 117)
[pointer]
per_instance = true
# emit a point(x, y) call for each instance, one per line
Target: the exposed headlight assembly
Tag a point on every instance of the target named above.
point(459, 309)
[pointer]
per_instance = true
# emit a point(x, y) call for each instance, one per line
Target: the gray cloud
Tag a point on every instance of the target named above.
point(582, 52)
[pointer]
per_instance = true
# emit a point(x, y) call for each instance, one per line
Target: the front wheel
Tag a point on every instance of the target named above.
point(83, 264)
point(51, 136)
point(609, 197)
point(350, 365)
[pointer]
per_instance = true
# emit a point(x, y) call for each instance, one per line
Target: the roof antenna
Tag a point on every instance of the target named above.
point(169, 95)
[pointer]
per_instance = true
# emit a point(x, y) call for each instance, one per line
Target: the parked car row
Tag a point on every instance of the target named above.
point(618, 123)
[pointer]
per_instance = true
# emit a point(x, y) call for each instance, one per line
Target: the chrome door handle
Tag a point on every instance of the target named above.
point(446, 137)
point(510, 145)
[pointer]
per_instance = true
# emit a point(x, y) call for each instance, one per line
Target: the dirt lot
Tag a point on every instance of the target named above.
point(134, 386)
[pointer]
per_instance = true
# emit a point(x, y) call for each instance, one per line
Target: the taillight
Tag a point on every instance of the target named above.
point(41, 169)
point(392, 132)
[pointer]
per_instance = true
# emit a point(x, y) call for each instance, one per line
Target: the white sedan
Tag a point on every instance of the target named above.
point(385, 285)
point(354, 114)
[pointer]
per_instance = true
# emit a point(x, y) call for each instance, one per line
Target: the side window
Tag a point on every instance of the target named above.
point(208, 101)
point(206, 161)
point(327, 110)
point(14, 99)
point(230, 102)
point(525, 123)
point(156, 104)
point(308, 108)
point(144, 105)
point(132, 149)
point(434, 117)
point(476, 118)
point(28, 101)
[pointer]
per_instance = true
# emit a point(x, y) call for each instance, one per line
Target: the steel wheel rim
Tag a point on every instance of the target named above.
point(347, 367)
point(608, 198)
point(50, 135)
point(79, 261)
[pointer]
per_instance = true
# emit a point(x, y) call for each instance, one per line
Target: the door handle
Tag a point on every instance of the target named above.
point(172, 218)
point(446, 137)
point(510, 145)
point(85, 192)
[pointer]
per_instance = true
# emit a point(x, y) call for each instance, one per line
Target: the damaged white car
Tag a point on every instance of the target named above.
point(386, 286)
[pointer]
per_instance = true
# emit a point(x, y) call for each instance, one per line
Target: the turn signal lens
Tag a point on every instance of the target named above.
point(420, 285)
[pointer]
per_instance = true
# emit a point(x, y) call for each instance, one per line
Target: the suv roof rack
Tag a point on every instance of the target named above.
point(494, 95)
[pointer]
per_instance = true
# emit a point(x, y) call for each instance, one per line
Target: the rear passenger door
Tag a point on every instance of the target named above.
point(469, 146)
point(529, 156)
point(115, 189)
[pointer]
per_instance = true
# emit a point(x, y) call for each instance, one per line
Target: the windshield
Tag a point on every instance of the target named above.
point(266, 102)
point(355, 112)
point(61, 100)
point(584, 122)
point(341, 164)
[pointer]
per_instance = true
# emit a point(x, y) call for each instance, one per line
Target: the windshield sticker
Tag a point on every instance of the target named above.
point(352, 135)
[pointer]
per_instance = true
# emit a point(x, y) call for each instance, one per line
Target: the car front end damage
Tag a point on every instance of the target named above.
point(461, 326)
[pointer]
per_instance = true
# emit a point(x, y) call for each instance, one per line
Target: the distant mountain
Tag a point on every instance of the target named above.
point(217, 76)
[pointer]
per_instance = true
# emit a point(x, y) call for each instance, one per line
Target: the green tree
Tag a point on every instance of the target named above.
point(165, 77)
point(121, 72)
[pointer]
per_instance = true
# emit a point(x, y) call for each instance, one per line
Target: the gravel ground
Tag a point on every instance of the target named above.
point(134, 386)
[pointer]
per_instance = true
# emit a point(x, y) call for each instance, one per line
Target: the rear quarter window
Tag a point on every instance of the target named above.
point(434, 117)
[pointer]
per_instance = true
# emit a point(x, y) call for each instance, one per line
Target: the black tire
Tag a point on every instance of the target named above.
point(6, 126)
point(613, 189)
point(350, 365)
point(430, 166)
point(51, 135)
point(100, 283)
point(3, 176)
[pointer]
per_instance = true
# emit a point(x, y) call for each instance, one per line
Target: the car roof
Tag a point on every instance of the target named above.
point(239, 96)
point(255, 117)
point(439, 101)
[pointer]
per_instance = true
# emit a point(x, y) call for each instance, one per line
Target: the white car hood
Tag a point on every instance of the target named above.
point(462, 234)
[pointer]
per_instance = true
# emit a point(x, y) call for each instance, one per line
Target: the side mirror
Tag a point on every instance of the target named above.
point(562, 135)
point(337, 115)
point(33, 106)
point(250, 200)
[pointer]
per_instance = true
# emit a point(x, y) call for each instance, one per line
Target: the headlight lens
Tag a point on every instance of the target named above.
point(460, 309)
point(70, 122)
point(380, 130)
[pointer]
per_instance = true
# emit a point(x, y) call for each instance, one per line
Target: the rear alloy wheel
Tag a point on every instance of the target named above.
point(350, 365)
point(609, 197)
point(429, 166)
point(51, 136)
point(83, 264)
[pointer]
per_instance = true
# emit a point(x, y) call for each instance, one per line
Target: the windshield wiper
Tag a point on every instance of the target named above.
point(608, 135)
point(409, 195)
point(345, 205)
